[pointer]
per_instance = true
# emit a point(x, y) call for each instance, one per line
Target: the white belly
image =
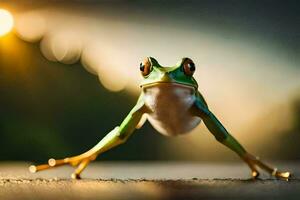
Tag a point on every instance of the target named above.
point(170, 105)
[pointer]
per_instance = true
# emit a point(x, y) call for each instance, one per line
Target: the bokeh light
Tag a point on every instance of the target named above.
point(6, 22)
point(102, 63)
point(66, 48)
point(30, 26)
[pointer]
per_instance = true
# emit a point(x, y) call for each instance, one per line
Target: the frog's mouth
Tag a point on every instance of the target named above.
point(175, 84)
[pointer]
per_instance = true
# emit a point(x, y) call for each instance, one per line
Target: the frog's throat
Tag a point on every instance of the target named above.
point(185, 85)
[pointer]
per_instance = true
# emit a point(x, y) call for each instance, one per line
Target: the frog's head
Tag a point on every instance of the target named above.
point(182, 73)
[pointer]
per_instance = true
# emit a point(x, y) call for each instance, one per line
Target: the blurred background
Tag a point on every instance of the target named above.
point(69, 73)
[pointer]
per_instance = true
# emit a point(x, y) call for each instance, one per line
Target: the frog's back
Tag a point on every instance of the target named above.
point(170, 106)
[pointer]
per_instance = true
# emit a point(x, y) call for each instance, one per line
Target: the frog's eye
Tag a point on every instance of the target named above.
point(188, 67)
point(146, 67)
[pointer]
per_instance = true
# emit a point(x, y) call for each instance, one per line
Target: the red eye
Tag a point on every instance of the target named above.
point(146, 67)
point(188, 67)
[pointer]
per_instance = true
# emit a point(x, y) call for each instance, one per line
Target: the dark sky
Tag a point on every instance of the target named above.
point(278, 21)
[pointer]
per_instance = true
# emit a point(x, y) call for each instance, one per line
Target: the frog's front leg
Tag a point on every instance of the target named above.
point(115, 137)
point(217, 129)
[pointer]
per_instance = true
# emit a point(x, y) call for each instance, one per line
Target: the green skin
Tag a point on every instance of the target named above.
point(161, 75)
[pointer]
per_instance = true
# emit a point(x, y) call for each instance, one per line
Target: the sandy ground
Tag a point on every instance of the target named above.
point(146, 180)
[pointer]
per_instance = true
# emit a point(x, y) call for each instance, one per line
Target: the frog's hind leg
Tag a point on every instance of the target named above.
point(222, 135)
point(228, 140)
point(115, 137)
point(81, 161)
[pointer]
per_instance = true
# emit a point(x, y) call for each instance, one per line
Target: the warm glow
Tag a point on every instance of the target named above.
point(6, 22)
point(35, 31)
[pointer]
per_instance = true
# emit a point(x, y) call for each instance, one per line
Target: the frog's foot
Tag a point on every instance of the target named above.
point(253, 161)
point(80, 161)
point(254, 172)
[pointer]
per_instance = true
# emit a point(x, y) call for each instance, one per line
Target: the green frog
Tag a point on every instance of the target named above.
point(170, 100)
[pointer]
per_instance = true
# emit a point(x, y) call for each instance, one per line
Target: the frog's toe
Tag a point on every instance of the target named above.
point(284, 175)
point(81, 166)
point(51, 163)
point(255, 174)
point(75, 176)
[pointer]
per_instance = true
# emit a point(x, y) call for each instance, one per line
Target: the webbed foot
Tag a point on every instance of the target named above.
point(254, 162)
point(80, 162)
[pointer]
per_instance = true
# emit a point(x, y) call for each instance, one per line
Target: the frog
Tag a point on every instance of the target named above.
point(171, 101)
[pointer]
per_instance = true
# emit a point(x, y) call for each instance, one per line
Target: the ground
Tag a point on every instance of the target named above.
point(147, 180)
